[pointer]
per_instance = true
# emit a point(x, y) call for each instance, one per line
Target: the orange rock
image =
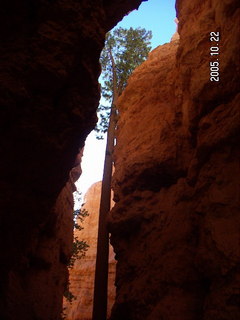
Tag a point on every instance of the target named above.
point(175, 225)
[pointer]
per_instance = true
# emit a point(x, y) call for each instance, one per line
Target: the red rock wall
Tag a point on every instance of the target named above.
point(48, 96)
point(175, 227)
point(83, 272)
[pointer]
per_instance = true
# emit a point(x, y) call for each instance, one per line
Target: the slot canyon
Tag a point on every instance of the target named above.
point(174, 227)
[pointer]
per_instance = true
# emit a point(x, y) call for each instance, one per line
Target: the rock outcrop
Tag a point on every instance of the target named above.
point(82, 274)
point(175, 226)
point(48, 95)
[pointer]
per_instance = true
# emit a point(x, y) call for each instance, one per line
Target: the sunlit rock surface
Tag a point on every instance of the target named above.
point(82, 275)
point(175, 227)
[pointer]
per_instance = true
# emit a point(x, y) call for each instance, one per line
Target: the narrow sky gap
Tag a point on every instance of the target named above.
point(157, 16)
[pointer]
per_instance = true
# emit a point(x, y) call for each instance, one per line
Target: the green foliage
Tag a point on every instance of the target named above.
point(78, 250)
point(129, 48)
point(79, 246)
point(103, 120)
point(69, 296)
point(78, 216)
point(124, 50)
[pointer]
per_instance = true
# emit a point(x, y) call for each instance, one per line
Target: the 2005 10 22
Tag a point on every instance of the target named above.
point(214, 52)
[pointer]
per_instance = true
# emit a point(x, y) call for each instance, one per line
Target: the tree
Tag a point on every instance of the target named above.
point(124, 50)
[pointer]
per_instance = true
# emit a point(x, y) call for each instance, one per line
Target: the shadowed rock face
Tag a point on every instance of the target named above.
point(48, 95)
point(175, 227)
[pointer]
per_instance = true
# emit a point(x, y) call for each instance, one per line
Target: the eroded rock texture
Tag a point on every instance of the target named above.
point(82, 275)
point(48, 95)
point(175, 227)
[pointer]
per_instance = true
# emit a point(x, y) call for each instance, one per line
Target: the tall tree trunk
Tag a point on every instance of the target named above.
point(101, 273)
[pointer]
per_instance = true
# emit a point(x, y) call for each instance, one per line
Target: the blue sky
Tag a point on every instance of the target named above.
point(157, 16)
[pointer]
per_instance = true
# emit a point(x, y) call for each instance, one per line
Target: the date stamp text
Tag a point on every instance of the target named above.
point(214, 54)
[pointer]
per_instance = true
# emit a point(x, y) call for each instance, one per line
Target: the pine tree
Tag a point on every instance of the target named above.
point(124, 50)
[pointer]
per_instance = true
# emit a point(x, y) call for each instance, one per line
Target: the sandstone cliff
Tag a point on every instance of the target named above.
point(175, 227)
point(82, 275)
